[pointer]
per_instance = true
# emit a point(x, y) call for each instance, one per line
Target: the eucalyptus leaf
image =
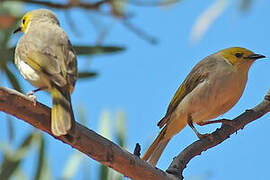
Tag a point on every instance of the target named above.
point(93, 50)
point(207, 18)
point(245, 5)
point(41, 159)
point(105, 124)
point(12, 161)
point(86, 74)
point(72, 166)
point(121, 128)
point(12, 79)
point(14, 8)
point(81, 114)
point(7, 54)
point(10, 128)
point(104, 172)
point(118, 7)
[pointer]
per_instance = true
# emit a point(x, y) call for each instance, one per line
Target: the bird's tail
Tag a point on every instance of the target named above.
point(155, 150)
point(157, 147)
point(62, 114)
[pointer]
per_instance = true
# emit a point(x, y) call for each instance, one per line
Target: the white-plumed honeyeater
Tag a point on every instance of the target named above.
point(212, 88)
point(45, 57)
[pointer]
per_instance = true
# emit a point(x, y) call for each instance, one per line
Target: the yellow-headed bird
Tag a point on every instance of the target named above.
point(45, 57)
point(212, 88)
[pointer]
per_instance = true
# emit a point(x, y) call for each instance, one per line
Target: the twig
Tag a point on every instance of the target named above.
point(179, 163)
point(93, 6)
point(137, 150)
point(85, 140)
point(139, 32)
point(152, 3)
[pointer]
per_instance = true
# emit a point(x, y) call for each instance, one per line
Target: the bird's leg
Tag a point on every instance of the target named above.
point(31, 95)
point(190, 123)
point(223, 121)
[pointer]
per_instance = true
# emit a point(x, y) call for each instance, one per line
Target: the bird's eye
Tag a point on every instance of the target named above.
point(23, 21)
point(238, 55)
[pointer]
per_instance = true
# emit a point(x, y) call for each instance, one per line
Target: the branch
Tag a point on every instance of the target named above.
point(70, 4)
point(86, 141)
point(153, 3)
point(179, 163)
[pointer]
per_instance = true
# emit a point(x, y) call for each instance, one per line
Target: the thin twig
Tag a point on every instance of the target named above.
point(93, 6)
point(139, 32)
point(152, 3)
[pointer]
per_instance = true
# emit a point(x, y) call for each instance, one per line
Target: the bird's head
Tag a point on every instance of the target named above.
point(36, 16)
point(239, 57)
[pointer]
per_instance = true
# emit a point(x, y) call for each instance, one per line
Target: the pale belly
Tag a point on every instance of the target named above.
point(35, 78)
point(209, 100)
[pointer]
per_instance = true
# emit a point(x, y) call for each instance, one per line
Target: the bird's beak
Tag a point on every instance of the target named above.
point(255, 56)
point(19, 29)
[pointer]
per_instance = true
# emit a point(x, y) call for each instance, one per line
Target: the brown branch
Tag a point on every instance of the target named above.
point(70, 4)
point(152, 3)
point(179, 163)
point(86, 141)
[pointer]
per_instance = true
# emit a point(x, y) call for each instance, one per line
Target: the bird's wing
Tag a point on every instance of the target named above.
point(197, 75)
point(69, 64)
point(46, 63)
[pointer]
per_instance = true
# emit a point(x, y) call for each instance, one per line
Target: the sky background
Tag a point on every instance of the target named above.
point(142, 80)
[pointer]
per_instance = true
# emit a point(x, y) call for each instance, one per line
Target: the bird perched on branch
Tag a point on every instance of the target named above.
point(45, 57)
point(212, 88)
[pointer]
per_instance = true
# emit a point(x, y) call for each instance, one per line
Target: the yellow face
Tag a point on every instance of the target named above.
point(237, 55)
point(24, 23)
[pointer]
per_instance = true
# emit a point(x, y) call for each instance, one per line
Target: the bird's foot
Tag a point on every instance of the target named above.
point(31, 95)
point(227, 122)
point(204, 136)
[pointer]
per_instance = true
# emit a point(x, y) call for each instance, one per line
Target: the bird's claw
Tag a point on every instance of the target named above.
point(203, 136)
point(31, 95)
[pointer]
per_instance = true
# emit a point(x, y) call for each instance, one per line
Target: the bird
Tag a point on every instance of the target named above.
point(45, 57)
point(214, 86)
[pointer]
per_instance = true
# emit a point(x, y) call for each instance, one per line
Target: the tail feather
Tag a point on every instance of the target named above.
point(61, 115)
point(157, 147)
point(158, 151)
point(155, 150)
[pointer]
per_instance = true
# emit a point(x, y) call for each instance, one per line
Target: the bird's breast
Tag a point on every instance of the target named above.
point(30, 74)
point(213, 97)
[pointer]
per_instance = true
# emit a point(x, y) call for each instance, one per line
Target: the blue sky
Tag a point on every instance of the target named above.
point(142, 80)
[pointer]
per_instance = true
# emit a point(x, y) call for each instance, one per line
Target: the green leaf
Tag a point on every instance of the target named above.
point(118, 7)
point(14, 8)
point(12, 160)
point(93, 50)
point(8, 54)
point(41, 159)
point(120, 128)
point(10, 128)
point(86, 74)
point(12, 79)
point(103, 172)
point(245, 5)
point(105, 124)
point(207, 18)
point(168, 3)
point(20, 175)
point(84, 50)
point(81, 113)
point(72, 165)
point(116, 175)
